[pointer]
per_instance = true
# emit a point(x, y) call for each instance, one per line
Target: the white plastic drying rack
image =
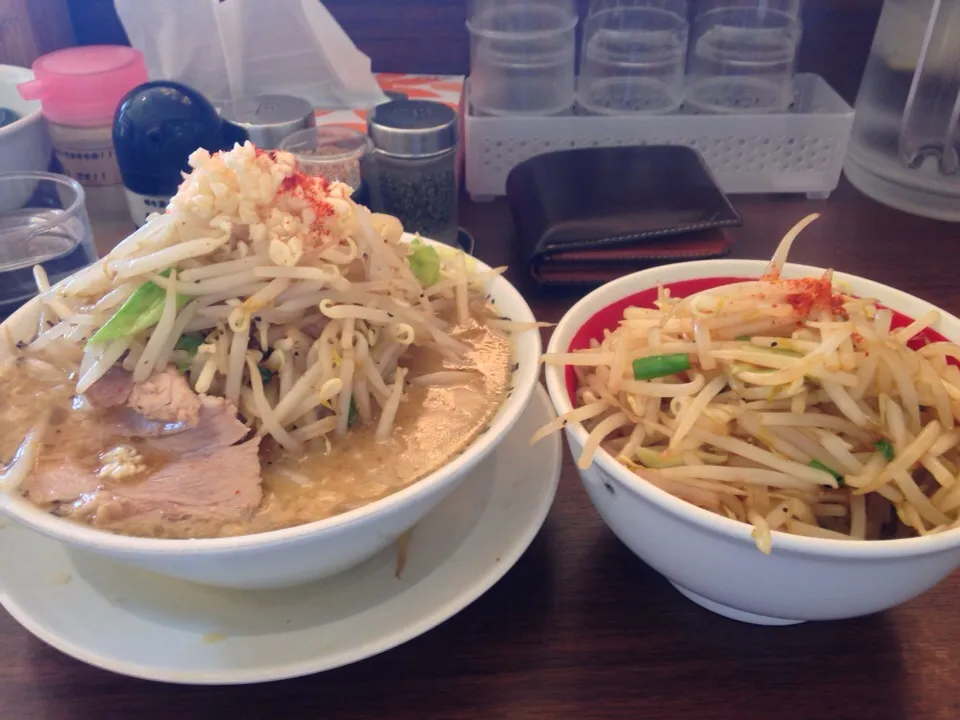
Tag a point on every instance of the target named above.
point(797, 151)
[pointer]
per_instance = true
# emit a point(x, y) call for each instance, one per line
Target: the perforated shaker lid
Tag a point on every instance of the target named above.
point(267, 119)
point(413, 128)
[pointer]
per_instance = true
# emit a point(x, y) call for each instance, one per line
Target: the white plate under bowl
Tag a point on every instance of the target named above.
point(149, 626)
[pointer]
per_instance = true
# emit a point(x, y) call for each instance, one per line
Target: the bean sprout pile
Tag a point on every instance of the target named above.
point(269, 288)
point(783, 403)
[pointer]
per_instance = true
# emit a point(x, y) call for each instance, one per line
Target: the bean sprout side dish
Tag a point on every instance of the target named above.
point(785, 403)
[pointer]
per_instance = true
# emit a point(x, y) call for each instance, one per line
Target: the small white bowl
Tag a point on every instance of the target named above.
point(307, 552)
point(712, 559)
point(24, 143)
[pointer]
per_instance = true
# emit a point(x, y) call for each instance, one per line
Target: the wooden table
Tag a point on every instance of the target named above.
point(580, 628)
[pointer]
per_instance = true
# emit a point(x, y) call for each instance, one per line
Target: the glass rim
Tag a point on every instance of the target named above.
point(73, 209)
point(787, 21)
point(636, 9)
point(675, 25)
point(477, 29)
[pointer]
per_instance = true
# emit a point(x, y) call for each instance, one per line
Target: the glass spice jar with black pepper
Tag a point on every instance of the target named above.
point(414, 166)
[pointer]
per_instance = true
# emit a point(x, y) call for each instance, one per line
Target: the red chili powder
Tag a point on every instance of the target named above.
point(806, 293)
point(312, 189)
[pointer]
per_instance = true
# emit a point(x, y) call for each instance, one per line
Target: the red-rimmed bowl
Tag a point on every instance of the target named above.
point(712, 559)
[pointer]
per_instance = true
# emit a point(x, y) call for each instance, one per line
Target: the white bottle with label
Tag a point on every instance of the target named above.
point(79, 90)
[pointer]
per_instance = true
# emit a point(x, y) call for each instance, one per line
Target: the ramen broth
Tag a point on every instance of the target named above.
point(433, 424)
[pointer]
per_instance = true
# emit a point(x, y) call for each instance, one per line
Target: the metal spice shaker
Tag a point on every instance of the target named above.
point(414, 166)
point(265, 120)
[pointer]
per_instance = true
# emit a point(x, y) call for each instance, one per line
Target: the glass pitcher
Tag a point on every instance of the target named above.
point(905, 141)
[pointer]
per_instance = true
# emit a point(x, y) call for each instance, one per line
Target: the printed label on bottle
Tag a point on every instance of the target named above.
point(143, 206)
point(90, 165)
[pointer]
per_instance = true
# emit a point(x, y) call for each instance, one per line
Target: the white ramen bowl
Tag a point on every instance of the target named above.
point(712, 559)
point(307, 552)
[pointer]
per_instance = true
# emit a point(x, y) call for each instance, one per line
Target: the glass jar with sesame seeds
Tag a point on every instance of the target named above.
point(414, 166)
point(335, 152)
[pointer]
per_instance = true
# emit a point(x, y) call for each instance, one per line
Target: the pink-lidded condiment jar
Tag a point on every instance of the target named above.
point(79, 90)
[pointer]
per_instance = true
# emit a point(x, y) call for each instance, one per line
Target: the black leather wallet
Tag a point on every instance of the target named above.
point(588, 215)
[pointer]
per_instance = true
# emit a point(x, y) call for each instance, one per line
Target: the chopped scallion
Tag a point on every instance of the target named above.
point(424, 261)
point(190, 343)
point(652, 459)
point(817, 465)
point(885, 447)
point(142, 310)
point(657, 366)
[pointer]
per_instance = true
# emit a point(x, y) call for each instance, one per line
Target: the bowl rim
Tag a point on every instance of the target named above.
point(28, 118)
point(783, 542)
point(525, 381)
point(22, 122)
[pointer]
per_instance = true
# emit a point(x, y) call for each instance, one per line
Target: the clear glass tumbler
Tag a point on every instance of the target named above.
point(42, 221)
point(522, 56)
point(633, 58)
point(742, 60)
